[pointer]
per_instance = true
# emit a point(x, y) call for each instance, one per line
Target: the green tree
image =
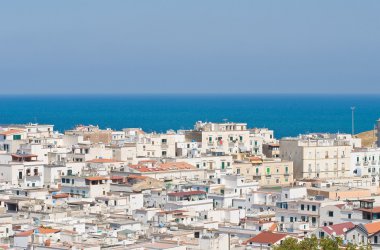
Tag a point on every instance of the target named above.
point(351, 246)
point(288, 243)
point(330, 244)
point(309, 243)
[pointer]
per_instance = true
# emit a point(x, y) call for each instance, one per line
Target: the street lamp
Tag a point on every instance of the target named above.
point(353, 120)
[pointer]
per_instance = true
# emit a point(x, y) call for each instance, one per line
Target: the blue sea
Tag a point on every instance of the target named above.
point(288, 115)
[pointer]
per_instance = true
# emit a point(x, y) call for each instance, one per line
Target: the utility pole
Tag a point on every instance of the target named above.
point(353, 119)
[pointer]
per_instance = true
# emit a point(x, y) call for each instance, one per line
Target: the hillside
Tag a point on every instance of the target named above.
point(368, 138)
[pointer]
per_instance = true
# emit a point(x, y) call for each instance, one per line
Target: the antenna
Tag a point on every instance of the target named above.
point(353, 119)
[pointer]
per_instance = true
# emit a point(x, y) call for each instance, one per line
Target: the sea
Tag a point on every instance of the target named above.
point(287, 115)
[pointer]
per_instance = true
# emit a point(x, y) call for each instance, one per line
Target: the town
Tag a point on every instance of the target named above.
point(217, 186)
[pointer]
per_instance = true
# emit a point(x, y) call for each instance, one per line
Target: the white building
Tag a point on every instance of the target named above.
point(318, 156)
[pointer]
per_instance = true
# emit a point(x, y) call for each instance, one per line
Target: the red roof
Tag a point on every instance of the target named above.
point(266, 237)
point(61, 195)
point(187, 193)
point(101, 161)
point(369, 210)
point(97, 178)
point(338, 229)
point(373, 227)
point(11, 131)
point(41, 230)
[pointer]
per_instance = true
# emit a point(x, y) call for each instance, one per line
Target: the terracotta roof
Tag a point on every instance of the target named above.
point(373, 227)
point(187, 193)
point(338, 229)
point(97, 178)
point(373, 210)
point(41, 230)
point(266, 237)
point(117, 177)
point(44, 230)
point(24, 234)
point(101, 161)
point(24, 155)
point(11, 131)
point(60, 196)
point(171, 166)
point(132, 176)
point(273, 227)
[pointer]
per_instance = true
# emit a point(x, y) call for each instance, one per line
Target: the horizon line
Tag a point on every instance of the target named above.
point(187, 94)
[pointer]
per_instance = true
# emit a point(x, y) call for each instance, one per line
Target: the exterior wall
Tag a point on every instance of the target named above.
point(317, 158)
point(158, 145)
point(210, 163)
point(170, 175)
point(127, 154)
point(269, 173)
point(10, 173)
point(357, 237)
point(199, 205)
point(340, 194)
point(365, 162)
point(77, 186)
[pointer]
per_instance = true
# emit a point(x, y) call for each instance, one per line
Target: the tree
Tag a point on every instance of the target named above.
point(329, 243)
point(309, 243)
point(288, 243)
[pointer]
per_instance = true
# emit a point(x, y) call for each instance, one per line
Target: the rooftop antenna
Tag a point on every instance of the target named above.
point(353, 119)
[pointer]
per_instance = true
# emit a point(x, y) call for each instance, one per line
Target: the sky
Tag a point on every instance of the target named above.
point(195, 46)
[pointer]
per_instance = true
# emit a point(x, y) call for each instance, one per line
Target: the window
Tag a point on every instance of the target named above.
point(72, 181)
point(63, 180)
point(16, 137)
point(349, 216)
point(314, 208)
point(268, 171)
point(302, 207)
point(331, 214)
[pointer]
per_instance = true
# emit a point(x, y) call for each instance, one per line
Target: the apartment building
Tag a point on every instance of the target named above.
point(158, 145)
point(365, 162)
point(24, 170)
point(318, 155)
point(225, 137)
point(85, 186)
point(269, 172)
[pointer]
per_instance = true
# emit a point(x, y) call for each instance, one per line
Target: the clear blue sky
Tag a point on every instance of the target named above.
point(172, 46)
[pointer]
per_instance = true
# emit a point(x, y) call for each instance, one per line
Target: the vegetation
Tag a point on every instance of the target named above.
point(314, 244)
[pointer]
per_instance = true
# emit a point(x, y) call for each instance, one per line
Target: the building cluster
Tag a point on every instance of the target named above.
point(217, 186)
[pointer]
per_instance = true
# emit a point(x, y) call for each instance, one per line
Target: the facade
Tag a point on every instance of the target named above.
point(365, 162)
point(269, 172)
point(317, 156)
